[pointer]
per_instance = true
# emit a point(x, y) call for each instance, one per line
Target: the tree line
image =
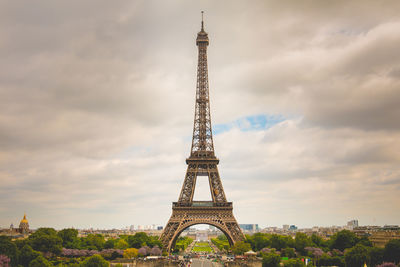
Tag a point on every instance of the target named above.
point(342, 249)
point(48, 247)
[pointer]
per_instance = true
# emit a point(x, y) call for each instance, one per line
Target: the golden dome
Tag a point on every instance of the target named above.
point(24, 220)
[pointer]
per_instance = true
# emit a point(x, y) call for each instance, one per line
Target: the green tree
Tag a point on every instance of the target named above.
point(44, 230)
point(271, 260)
point(138, 240)
point(40, 262)
point(327, 260)
point(301, 241)
point(221, 242)
point(293, 263)
point(182, 243)
point(9, 249)
point(343, 239)
point(258, 241)
point(288, 252)
point(357, 256)
point(279, 242)
point(376, 255)
point(365, 241)
point(27, 254)
point(392, 251)
point(110, 243)
point(130, 253)
point(20, 243)
point(93, 241)
point(154, 241)
point(121, 244)
point(222, 237)
point(240, 247)
point(318, 241)
point(69, 238)
point(46, 240)
point(94, 261)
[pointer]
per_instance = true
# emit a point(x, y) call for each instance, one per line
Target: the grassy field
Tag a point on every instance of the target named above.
point(202, 247)
point(202, 244)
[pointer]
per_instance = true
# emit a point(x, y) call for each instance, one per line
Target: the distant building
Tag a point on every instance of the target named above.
point(160, 227)
point(24, 226)
point(285, 227)
point(271, 229)
point(293, 227)
point(19, 232)
point(315, 229)
point(201, 236)
point(352, 224)
point(249, 227)
point(379, 236)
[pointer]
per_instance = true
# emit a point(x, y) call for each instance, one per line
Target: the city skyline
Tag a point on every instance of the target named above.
point(304, 107)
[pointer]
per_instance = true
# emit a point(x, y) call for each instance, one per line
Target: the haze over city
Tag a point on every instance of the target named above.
point(97, 104)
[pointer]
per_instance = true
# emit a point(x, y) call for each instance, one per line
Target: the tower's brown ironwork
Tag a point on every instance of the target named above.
point(201, 162)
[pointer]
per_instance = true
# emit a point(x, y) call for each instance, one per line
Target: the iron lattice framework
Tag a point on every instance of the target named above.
point(202, 162)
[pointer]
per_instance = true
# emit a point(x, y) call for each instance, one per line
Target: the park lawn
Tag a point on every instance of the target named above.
point(202, 249)
point(202, 244)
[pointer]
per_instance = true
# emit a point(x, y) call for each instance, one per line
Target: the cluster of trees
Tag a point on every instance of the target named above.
point(143, 251)
point(241, 247)
point(109, 253)
point(71, 240)
point(31, 251)
point(221, 242)
point(182, 243)
point(47, 247)
point(342, 249)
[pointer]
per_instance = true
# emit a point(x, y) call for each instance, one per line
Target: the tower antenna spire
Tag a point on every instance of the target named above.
point(202, 21)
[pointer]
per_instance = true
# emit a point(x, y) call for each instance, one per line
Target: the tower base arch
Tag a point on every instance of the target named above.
point(201, 213)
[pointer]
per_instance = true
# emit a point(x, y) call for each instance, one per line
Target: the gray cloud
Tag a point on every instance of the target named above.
point(96, 109)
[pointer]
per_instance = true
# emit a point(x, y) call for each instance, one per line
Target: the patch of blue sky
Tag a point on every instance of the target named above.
point(256, 122)
point(221, 128)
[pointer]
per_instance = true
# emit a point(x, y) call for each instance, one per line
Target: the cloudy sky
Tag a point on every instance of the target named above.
point(97, 105)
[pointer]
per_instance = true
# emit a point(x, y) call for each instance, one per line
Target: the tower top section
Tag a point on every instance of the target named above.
point(202, 36)
point(202, 142)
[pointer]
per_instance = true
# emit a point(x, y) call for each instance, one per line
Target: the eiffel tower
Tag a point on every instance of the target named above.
point(202, 162)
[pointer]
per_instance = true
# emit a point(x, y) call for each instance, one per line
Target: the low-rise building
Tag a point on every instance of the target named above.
point(378, 235)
